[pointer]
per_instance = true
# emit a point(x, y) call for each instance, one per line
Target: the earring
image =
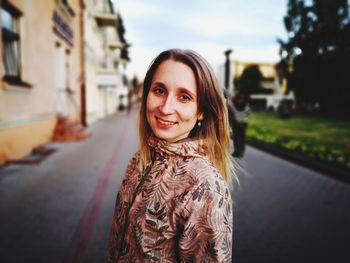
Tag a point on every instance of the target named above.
point(199, 123)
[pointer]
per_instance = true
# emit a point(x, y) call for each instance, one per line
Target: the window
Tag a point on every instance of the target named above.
point(67, 68)
point(11, 43)
point(66, 6)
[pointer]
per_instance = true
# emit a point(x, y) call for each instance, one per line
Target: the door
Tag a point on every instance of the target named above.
point(60, 80)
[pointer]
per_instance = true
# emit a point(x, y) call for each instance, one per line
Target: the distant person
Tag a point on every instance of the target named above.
point(230, 109)
point(129, 101)
point(174, 204)
point(241, 111)
point(284, 109)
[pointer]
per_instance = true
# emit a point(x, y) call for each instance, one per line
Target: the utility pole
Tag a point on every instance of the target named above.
point(227, 69)
point(82, 65)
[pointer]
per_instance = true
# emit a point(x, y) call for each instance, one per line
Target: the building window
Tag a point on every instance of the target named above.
point(11, 43)
point(66, 6)
point(67, 68)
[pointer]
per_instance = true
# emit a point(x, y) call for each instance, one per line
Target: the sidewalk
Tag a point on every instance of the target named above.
point(61, 209)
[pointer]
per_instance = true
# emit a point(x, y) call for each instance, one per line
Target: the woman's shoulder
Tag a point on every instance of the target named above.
point(203, 173)
point(133, 163)
point(134, 159)
point(203, 186)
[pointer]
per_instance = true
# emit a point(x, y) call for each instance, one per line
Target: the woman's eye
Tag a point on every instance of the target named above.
point(185, 97)
point(158, 90)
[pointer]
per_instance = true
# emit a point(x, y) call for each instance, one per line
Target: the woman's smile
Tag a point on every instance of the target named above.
point(164, 124)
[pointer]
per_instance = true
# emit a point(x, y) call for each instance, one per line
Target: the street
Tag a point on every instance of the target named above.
point(61, 209)
point(287, 213)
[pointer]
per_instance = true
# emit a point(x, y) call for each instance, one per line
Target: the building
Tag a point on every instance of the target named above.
point(62, 64)
point(41, 72)
point(274, 85)
point(105, 60)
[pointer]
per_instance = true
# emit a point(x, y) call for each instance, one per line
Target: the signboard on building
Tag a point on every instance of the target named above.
point(62, 29)
point(107, 79)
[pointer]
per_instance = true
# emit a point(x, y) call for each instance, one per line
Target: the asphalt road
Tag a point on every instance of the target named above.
point(61, 209)
point(286, 213)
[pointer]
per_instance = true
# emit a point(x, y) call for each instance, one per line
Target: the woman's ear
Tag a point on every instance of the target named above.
point(201, 116)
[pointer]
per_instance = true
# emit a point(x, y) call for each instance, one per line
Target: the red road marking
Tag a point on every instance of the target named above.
point(83, 233)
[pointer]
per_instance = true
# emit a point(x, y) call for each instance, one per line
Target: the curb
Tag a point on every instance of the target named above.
point(38, 155)
point(327, 170)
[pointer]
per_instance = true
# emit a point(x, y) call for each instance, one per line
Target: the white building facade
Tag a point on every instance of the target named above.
point(104, 68)
point(39, 69)
point(271, 81)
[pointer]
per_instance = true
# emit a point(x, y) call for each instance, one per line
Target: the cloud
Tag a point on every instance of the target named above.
point(136, 9)
point(211, 51)
point(214, 53)
point(257, 54)
point(218, 25)
point(250, 28)
point(141, 58)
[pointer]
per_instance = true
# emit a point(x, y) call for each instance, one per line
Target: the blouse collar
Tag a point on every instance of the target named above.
point(187, 147)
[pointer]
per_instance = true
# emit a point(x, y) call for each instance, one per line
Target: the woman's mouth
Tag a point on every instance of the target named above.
point(165, 124)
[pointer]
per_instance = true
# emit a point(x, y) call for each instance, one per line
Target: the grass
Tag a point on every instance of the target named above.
point(321, 138)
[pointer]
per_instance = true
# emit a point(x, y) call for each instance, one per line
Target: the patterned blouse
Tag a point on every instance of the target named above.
point(178, 209)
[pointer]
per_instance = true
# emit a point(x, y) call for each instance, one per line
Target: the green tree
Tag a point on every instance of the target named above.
point(135, 81)
point(250, 80)
point(315, 56)
point(121, 32)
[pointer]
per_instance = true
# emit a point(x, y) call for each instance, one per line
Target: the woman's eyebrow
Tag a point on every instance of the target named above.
point(157, 83)
point(182, 89)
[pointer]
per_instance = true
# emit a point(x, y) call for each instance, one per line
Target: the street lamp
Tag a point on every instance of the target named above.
point(227, 68)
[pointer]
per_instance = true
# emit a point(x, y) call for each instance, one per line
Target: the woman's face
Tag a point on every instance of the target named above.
point(171, 108)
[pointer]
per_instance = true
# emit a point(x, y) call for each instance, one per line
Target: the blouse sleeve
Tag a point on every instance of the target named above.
point(124, 194)
point(207, 234)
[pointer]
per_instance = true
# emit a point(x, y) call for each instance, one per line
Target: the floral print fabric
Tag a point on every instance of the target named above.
point(177, 210)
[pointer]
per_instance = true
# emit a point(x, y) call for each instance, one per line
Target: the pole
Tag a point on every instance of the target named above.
point(227, 68)
point(82, 65)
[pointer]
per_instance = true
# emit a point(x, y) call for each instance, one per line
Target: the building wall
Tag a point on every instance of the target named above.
point(93, 57)
point(271, 81)
point(28, 115)
point(267, 69)
point(237, 67)
point(103, 79)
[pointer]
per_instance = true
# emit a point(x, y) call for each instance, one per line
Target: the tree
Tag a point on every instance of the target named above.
point(316, 54)
point(136, 85)
point(250, 80)
point(135, 81)
point(121, 32)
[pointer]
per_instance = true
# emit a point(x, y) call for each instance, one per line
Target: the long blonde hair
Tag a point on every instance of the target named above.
point(214, 129)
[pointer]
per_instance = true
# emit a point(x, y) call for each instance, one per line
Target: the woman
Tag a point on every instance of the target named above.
point(174, 204)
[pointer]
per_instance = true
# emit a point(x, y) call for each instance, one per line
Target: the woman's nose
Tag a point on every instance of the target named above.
point(167, 106)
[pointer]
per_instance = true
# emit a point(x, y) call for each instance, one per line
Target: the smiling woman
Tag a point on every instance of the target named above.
point(174, 203)
point(172, 109)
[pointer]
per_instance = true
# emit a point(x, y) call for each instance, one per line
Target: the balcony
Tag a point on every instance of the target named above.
point(105, 19)
point(115, 44)
point(108, 77)
point(120, 60)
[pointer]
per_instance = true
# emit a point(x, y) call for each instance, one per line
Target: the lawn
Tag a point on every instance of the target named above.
point(324, 139)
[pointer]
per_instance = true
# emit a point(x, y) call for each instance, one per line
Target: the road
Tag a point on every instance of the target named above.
point(61, 209)
point(287, 213)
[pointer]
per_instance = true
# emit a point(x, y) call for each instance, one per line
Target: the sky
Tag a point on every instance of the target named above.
point(249, 27)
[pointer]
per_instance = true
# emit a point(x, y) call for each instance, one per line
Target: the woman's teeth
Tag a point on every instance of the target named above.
point(166, 122)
